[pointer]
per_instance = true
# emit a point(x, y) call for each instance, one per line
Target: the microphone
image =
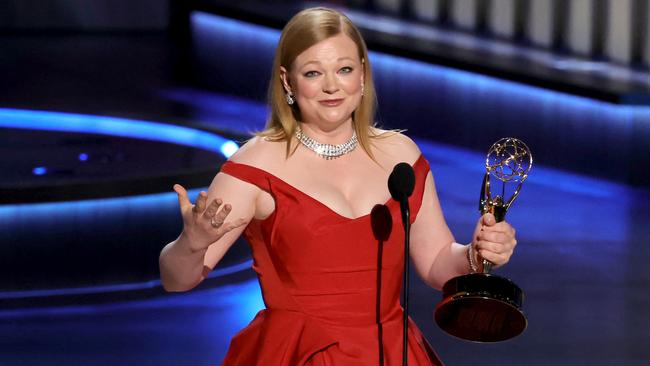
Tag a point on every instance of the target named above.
point(401, 183)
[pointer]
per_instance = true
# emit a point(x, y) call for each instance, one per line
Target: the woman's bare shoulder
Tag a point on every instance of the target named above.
point(260, 152)
point(395, 144)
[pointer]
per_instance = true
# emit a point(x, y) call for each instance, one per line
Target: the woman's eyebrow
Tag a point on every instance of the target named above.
point(319, 63)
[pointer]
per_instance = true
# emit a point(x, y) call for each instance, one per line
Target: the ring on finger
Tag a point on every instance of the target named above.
point(215, 224)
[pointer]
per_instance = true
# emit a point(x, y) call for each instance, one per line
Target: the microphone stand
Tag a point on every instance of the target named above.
point(406, 222)
point(401, 183)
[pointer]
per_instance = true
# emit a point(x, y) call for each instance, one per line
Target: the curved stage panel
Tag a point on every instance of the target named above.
point(86, 203)
point(61, 156)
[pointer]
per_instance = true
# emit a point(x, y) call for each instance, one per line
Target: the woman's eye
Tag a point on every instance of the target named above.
point(311, 74)
point(346, 70)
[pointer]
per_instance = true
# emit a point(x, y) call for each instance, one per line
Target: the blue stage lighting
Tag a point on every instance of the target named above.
point(152, 131)
point(228, 148)
point(39, 170)
point(67, 122)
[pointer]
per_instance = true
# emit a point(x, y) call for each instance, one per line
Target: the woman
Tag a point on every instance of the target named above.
point(307, 193)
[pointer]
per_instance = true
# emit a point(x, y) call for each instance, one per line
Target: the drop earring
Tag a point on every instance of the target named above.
point(290, 98)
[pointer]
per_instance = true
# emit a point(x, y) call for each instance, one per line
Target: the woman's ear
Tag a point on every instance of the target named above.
point(284, 76)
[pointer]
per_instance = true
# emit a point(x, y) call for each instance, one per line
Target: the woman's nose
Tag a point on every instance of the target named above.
point(330, 84)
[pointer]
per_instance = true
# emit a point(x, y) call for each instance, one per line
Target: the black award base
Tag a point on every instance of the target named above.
point(481, 307)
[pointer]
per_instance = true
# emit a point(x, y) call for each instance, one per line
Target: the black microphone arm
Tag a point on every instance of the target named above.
point(401, 183)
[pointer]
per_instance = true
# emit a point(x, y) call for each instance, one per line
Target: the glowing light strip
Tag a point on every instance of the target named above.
point(242, 301)
point(219, 272)
point(152, 131)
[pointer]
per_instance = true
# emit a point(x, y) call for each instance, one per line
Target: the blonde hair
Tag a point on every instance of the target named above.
point(304, 30)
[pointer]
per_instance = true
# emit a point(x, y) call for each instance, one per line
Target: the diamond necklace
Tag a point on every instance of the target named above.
point(327, 151)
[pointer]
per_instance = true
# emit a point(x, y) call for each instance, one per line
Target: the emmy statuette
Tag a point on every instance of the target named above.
point(482, 307)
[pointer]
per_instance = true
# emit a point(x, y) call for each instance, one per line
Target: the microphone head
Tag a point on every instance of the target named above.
point(401, 182)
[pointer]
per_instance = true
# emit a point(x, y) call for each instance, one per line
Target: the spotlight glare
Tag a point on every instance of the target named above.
point(228, 148)
point(39, 170)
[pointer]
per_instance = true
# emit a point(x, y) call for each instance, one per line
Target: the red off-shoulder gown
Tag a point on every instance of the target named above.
point(326, 301)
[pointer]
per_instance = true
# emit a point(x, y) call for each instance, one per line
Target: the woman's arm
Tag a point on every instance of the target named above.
point(186, 261)
point(436, 255)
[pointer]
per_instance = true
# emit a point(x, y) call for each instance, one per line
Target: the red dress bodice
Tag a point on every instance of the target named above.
point(326, 301)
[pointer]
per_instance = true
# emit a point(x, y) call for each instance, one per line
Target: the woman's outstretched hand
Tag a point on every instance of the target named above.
point(493, 241)
point(204, 223)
